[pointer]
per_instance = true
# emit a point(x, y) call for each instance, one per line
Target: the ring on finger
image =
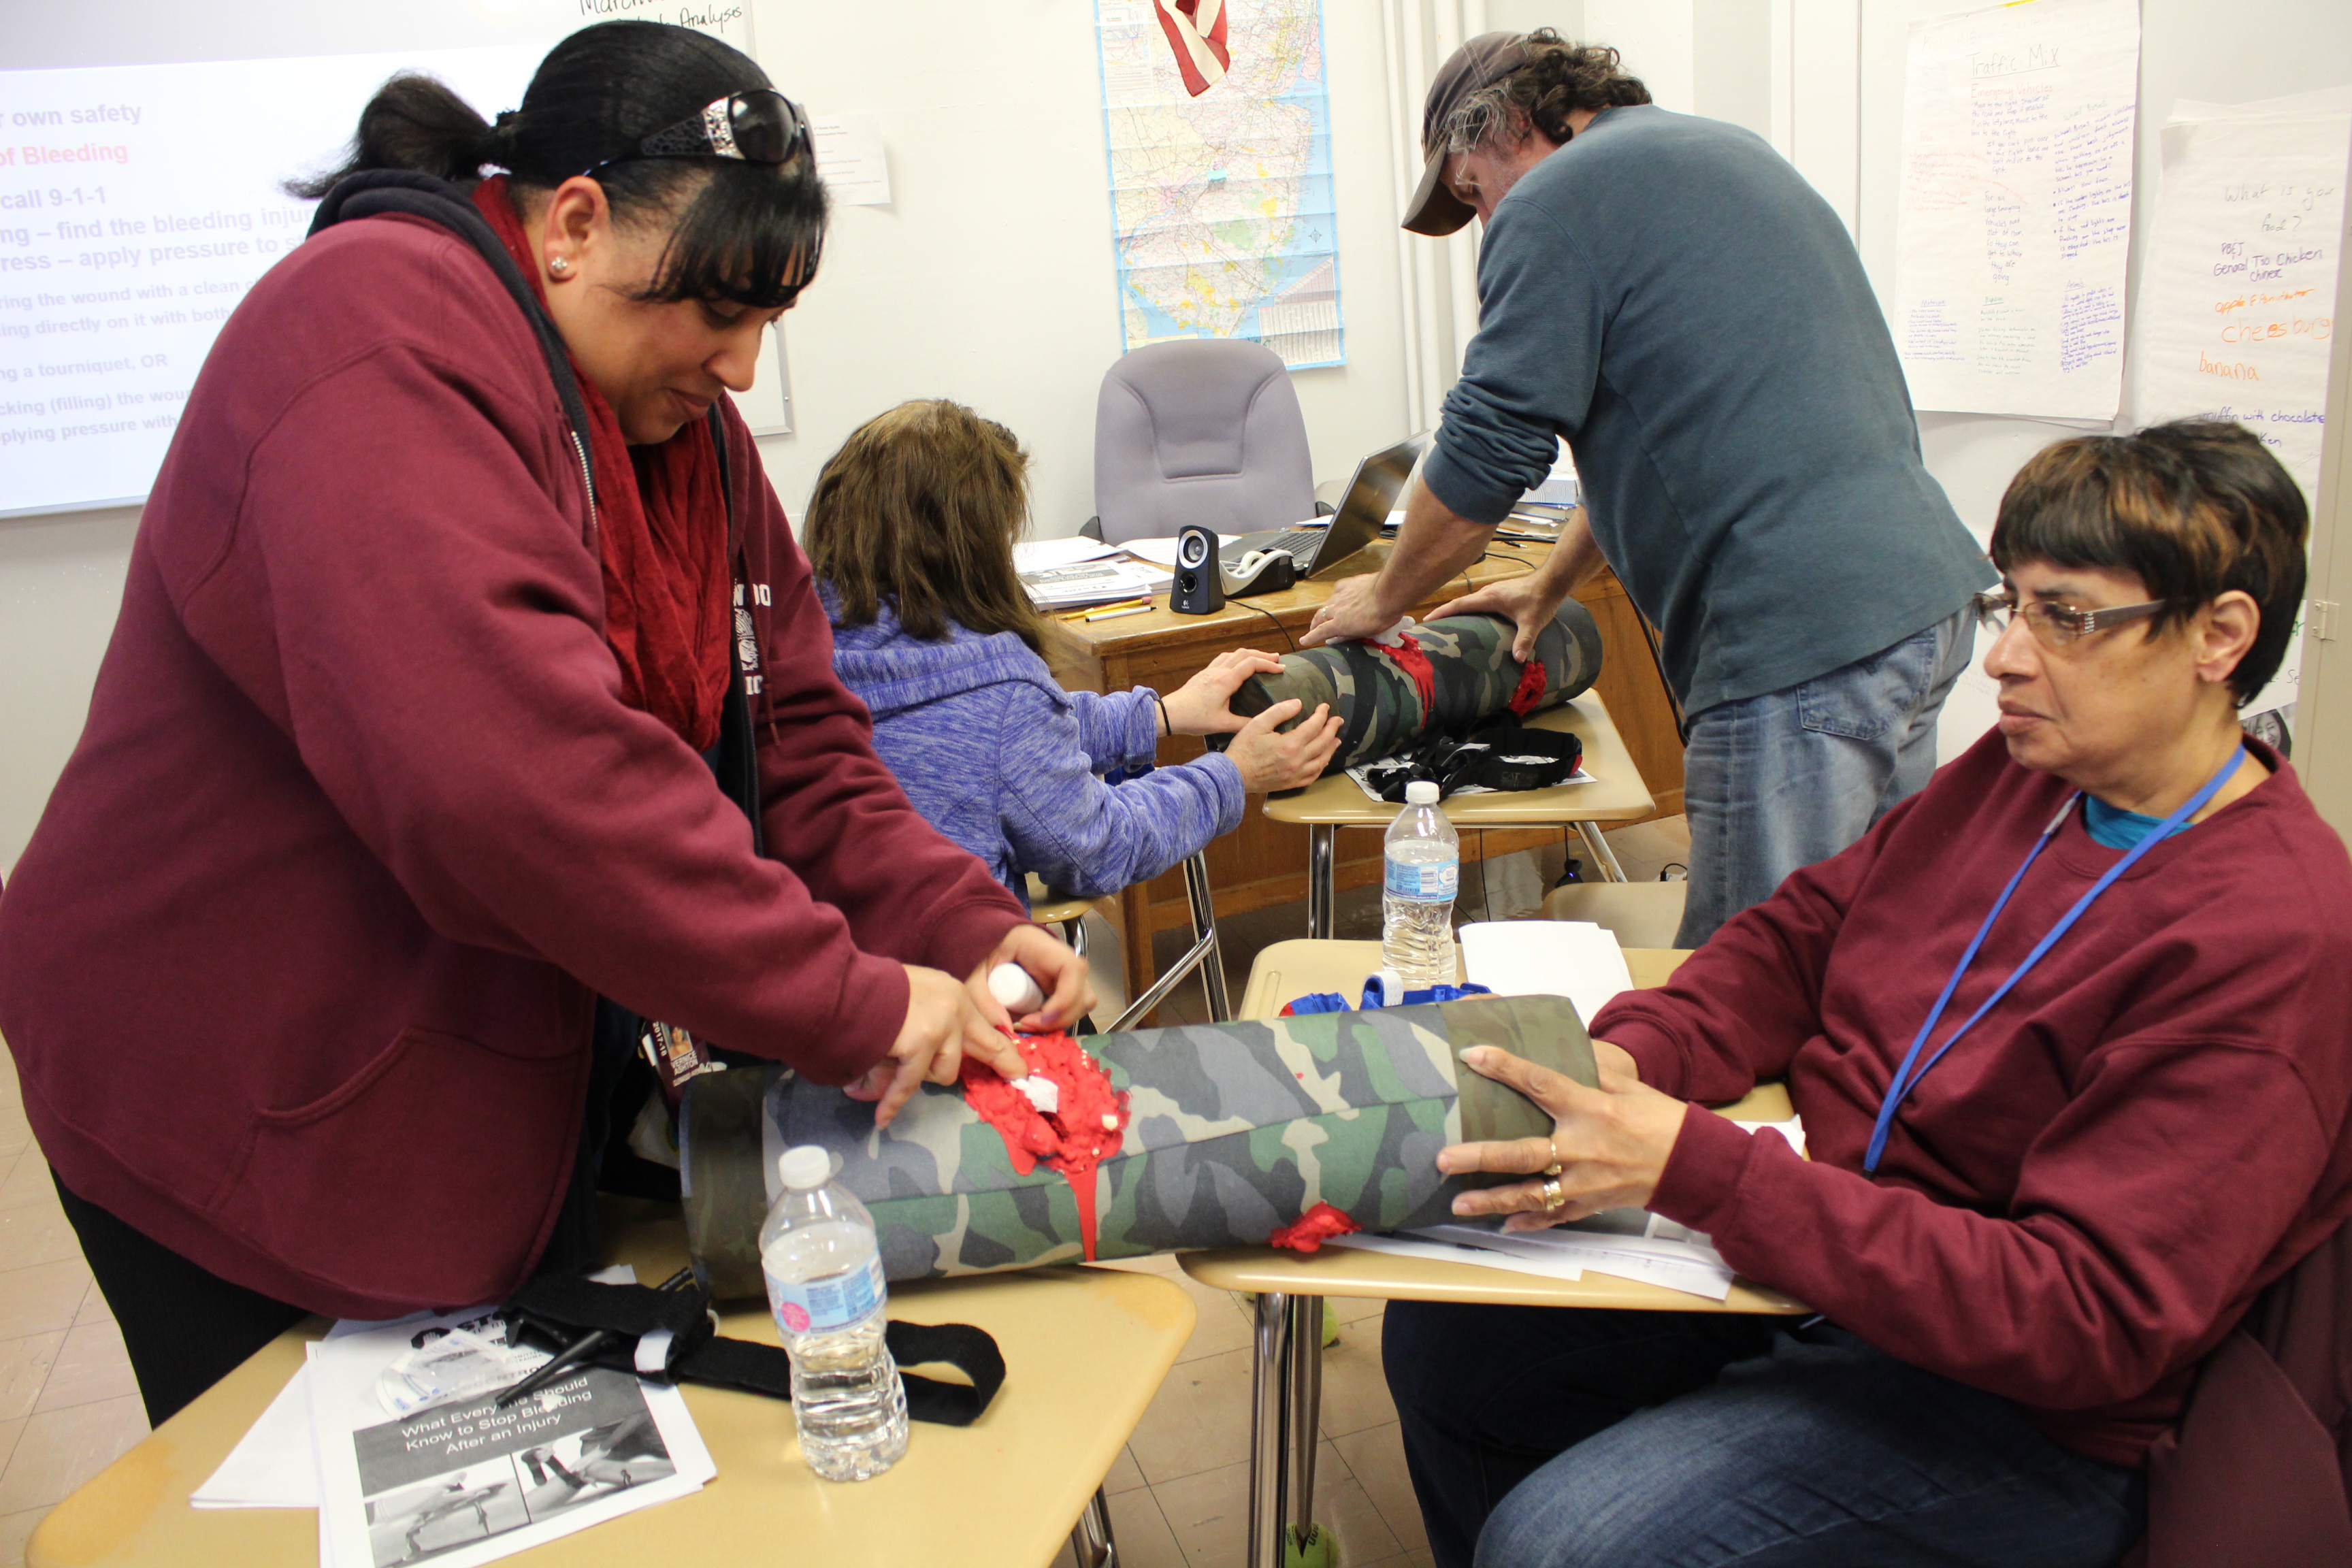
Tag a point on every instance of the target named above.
point(1552, 1197)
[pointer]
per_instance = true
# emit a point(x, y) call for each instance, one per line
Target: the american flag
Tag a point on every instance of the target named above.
point(1196, 31)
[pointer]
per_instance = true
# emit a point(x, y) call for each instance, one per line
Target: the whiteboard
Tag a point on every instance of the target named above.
point(143, 148)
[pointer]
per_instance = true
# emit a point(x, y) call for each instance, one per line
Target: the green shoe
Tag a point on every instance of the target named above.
point(1316, 1547)
point(1330, 1323)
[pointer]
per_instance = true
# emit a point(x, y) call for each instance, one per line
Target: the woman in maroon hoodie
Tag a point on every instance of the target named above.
point(2068, 1033)
point(470, 706)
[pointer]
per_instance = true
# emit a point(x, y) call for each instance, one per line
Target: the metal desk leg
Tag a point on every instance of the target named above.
point(1303, 1412)
point(1205, 931)
point(1322, 889)
point(1598, 847)
point(1270, 1436)
point(1091, 1545)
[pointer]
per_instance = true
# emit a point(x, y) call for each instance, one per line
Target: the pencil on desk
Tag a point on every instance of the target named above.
point(1113, 615)
point(1093, 610)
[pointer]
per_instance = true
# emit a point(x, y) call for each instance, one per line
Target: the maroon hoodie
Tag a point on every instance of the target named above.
point(299, 966)
point(2083, 1198)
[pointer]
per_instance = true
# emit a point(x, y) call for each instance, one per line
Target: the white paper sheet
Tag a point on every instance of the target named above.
point(1448, 1252)
point(2237, 294)
point(1037, 554)
point(1575, 959)
point(271, 1465)
point(1670, 1256)
point(849, 159)
point(2014, 218)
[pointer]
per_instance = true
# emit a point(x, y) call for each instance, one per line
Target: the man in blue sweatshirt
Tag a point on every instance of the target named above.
point(1669, 296)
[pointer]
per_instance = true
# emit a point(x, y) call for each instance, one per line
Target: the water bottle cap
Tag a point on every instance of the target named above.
point(1421, 792)
point(805, 1167)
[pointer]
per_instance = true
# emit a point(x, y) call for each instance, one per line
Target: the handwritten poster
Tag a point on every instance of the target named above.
point(2237, 299)
point(2015, 218)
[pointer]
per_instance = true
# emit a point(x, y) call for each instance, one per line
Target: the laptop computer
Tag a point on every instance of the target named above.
point(1371, 495)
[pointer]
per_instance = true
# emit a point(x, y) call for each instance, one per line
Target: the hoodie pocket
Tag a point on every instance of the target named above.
point(425, 1176)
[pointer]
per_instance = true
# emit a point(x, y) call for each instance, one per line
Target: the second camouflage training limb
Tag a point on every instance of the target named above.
point(1446, 676)
point(1231, 1132)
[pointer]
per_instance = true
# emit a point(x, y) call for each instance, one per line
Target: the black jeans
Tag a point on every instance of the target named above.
point(185, 1327)
point(1547, 1437)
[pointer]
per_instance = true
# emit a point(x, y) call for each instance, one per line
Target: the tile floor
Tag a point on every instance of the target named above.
point(1178, 1495)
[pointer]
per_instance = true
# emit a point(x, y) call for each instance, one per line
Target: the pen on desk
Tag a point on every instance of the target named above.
point(1113, 615)
point(593, 1342)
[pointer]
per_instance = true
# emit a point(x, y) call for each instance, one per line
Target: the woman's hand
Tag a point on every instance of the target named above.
point(1612, 1143)
point(942, 1023)
point(1271, 761)
point(1204, 705)
point(1060, 974)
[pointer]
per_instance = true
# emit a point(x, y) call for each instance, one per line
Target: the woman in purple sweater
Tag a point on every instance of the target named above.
point(910, 532)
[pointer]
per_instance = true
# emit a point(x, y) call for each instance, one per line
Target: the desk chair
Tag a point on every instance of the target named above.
point(1206, 431)
point(1287, 1377)
point(1049, 908)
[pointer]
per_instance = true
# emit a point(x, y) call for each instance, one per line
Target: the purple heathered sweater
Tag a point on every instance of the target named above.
point(1006, 764)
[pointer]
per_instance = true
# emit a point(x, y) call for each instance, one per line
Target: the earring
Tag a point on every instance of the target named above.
point(559, 266)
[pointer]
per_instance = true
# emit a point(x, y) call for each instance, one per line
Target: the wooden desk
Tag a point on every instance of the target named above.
point(1263, 862)
point(1287, 1381)
point(1085, 1350)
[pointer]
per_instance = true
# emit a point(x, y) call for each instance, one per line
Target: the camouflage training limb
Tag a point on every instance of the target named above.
point(1235, 1130)
point(1457, 672)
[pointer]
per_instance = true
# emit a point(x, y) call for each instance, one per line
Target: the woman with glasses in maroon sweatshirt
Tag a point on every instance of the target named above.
point(470, 713)
point(2068, 1031)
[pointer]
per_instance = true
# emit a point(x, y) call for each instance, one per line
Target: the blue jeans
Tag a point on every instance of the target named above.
point(1776, 781)
point(1547, 1438)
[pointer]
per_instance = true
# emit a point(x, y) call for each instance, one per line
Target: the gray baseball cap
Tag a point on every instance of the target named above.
point(1434, 208)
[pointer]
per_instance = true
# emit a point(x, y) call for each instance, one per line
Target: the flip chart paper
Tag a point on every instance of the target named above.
point(2237, 296)
point(2014, 219)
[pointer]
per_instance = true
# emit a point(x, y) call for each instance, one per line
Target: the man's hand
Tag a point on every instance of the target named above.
point(942, 1023)
point(1059, 972)
point(1612, 1143)
point(1527, 602)
point(1204, 705)
point(1353, 610)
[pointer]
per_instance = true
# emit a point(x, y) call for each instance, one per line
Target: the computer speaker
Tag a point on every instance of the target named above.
point(1199, 585)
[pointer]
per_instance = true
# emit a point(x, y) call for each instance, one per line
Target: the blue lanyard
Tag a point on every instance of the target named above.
point(1906, 1081)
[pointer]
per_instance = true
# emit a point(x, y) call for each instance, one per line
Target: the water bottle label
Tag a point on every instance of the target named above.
point(823, 1305)
point(1423, 883)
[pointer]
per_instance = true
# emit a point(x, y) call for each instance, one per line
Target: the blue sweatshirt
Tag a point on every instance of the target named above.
point(1006, 764)
point(1670, 296)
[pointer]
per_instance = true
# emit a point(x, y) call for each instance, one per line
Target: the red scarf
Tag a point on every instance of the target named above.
point(661, 532)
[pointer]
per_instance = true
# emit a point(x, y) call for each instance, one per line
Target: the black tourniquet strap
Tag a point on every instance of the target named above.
point(566, 1306)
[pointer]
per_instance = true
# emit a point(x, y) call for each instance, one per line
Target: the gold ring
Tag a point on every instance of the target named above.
point(1552, 1193)
point(1552, 1169)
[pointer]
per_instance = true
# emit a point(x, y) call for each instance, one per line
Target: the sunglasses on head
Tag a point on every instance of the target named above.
point(762, 126)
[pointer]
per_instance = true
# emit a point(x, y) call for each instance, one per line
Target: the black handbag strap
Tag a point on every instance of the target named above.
point(563, 1306)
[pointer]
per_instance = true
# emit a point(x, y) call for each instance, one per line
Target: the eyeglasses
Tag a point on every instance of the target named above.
point(762, 126)
point(2057, 625)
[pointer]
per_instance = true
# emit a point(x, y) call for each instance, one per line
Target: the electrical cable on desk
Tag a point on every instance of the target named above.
point(1270, 614)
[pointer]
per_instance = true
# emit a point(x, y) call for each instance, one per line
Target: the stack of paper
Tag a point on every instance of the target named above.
point(1037, 554)
point(1097, 582)
point(1575, 959)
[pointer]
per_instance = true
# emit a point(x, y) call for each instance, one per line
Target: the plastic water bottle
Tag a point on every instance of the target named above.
point(1424, 869)
point(824, 1284)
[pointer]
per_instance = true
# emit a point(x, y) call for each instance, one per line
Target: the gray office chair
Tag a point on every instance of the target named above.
point(1203, 431)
